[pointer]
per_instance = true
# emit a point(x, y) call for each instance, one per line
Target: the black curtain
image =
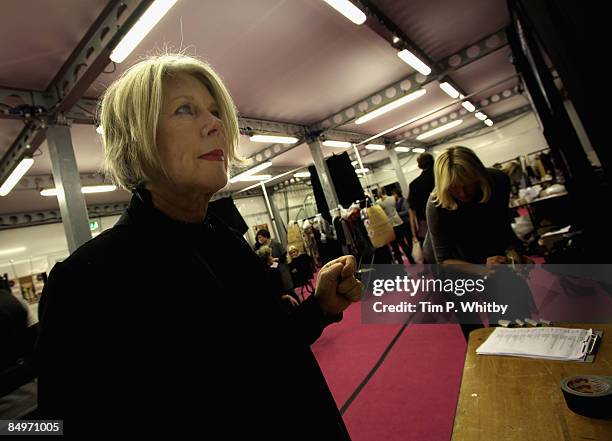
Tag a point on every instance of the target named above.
point(345, 180)
point(536, 31)
point(575, 47)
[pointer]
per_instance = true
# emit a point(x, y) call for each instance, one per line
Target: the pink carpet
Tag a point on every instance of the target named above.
point(348, 350)
point(413, 395)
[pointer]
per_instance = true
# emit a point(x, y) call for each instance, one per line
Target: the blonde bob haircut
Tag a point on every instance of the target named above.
point(129, 112)
point(458, 166)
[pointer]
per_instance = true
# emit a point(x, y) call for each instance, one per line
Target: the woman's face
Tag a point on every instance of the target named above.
point(293, 253)
point(464, 192)
point(191, 146)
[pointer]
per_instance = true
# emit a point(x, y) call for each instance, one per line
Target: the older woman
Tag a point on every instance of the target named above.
point(165, 316)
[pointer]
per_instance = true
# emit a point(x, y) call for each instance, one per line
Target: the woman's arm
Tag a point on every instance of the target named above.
point(413, 223)
point(440, 235)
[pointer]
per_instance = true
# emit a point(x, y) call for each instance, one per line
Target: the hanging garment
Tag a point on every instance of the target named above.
point(361, 239)
point(379, 227)
point(294, 238)
point(310, 243)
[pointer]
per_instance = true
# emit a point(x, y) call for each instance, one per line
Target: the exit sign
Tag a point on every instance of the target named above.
point(94, 225)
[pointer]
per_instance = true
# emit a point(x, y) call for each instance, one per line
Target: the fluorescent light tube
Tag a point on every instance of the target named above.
point(338, 144)
point(274, 138)
point(12, 251)
point(391, 106)
point(348, 9)
point(488, 122)
point(409, 58)
point(251, 171)
point(88, 189)
point(481, 116)
point(438, 130)
point(139, 31)
point(418, 150)
point(375, 147)
point(450, 90)
point(362, 170)
point(402, 149)
point(15, 176)
point(253, 178)
point(98, 188)
point(100, 129)
point(354, 163)
point(302, 175)
point(468, 106)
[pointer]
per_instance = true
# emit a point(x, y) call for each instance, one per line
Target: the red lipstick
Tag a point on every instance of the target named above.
point(213, 155)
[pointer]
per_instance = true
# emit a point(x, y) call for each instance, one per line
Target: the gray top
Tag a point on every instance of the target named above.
point(474, 231)
point(388, 205)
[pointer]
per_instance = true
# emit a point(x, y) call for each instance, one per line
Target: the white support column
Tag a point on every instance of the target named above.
point(270, 211)
point(281, 229)
point(401, 177)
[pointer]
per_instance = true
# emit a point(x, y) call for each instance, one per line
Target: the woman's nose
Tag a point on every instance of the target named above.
point(213, 127)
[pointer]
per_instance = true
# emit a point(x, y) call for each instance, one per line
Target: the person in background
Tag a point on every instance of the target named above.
point(402, 208)
point(276, 284)
point(279, 255)
point(167, 313)
point(467, 213)
point(468, 220)
point(263, 238)
point(419, 190)
point(18, 331)
point(302, 270)
point(388, 205)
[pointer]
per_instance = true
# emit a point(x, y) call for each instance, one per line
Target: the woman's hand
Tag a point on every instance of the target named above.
point(337, 286)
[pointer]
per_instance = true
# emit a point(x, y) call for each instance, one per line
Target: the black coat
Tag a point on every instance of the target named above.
point(172, 322)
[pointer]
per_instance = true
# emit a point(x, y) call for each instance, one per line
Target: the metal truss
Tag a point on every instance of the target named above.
point(478, 125)
point(414, 82)
point(39, 217)
point(84, 65)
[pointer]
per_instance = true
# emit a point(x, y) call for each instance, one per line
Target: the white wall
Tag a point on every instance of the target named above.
point(30, 250)
point(36, 249)
point(517, 138)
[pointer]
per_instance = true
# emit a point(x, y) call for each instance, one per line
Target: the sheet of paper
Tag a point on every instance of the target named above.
point(548, 342)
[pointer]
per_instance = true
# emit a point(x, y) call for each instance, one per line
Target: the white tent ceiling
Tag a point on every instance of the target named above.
point(295, 61)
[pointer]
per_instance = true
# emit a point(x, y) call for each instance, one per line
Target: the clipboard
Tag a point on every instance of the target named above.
point(592, 347)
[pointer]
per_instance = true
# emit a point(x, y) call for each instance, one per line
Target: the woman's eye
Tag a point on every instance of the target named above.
point(186, 109)
point(216, 113)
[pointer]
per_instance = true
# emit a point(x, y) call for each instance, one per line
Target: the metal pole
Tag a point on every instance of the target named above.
point(68, 184)
point(365, 174)
point(270, 212)
point(281, 229)
point(401, 177)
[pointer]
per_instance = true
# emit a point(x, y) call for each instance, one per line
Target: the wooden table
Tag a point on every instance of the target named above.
point(512, 398)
